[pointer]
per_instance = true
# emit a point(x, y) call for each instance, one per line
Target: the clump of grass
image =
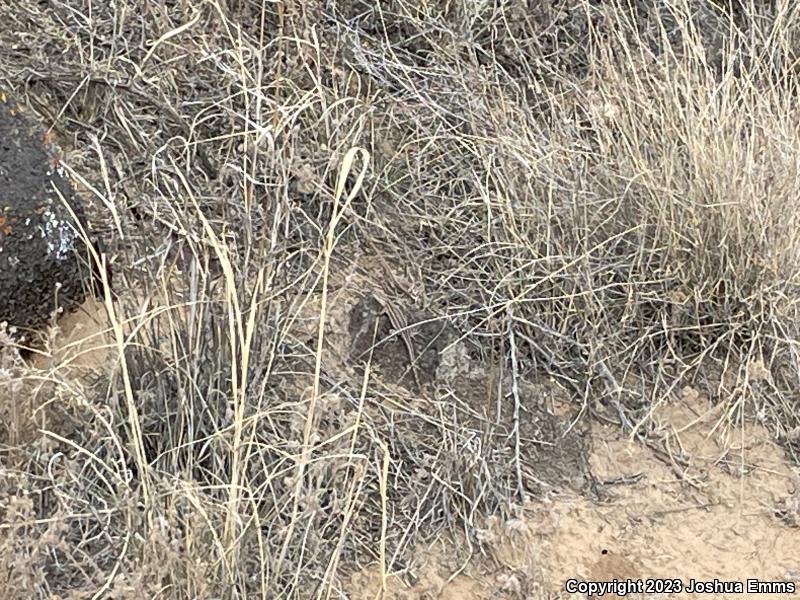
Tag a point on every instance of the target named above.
point(599, 193)
point(629, 224)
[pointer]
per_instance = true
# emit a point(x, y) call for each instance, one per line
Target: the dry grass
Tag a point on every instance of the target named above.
point(602, 194)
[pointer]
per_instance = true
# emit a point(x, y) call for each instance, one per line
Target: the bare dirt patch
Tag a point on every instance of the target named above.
point(715, 523)
point(80, 340)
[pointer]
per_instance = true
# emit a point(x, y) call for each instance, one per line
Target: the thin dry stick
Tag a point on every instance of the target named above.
point(134, 422)
point(515, 392)
point(169, 34)
point(352, 496)
point(327, 252)
point(278, 64)
point(384, 485)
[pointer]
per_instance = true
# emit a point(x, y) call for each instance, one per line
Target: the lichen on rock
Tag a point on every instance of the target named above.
point(44, 263)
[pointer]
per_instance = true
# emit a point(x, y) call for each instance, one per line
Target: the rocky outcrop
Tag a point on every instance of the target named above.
point(44, 264)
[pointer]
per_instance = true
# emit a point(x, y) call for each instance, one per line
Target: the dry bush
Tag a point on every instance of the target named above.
point(600, 193)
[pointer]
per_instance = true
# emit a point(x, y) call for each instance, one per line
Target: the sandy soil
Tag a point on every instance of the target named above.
point(717, 520)
point(81, 340)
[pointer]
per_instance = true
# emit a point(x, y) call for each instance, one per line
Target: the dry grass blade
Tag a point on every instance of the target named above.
point(479, 200)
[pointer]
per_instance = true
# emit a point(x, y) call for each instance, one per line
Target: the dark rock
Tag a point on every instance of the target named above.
point(44, 263)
